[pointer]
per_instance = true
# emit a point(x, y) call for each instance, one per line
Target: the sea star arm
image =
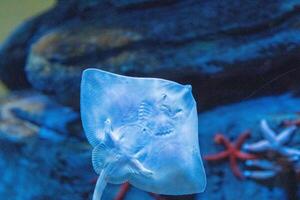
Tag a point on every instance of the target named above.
point(268, 133)
point(272, 141)
point(258, 146)
point(294, 159)
point(245, 156)
point(234, 167)
point(260, 175)
point(123, 191)
point(268, 171)
point(263, 164)
point(232, 152)
point(126, 187)
point(285, 135)
point(221, 139)
point(241, 139)
point(290, 152)
point(218, 156)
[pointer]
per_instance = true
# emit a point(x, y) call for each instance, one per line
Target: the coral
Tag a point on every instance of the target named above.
point(273, 142)
point(232, 152)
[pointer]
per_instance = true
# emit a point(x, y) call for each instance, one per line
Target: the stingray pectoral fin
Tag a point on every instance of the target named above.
point(137, 168)
point(100, 186)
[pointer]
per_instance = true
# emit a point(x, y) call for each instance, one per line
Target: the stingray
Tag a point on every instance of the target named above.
point(143, 131)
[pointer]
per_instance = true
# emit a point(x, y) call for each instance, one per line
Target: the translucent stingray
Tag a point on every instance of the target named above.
point(144, 131)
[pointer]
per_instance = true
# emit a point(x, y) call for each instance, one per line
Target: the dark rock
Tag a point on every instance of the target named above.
point(232, 120)
point(55, 63)
point(37, 161)
point(40, 170)
point(222, 47)
point(219, 75)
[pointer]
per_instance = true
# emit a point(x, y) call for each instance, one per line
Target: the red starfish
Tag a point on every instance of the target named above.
point(125, 188)
point(123, 191)
point(232, 152)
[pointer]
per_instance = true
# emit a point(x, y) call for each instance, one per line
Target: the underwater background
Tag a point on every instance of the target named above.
point(242, 59)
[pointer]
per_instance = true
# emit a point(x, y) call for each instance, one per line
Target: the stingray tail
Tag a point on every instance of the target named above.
point(100, 186)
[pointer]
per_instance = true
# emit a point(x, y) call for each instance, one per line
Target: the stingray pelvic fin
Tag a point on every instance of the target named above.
point(137, 168)
point(99, 157)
